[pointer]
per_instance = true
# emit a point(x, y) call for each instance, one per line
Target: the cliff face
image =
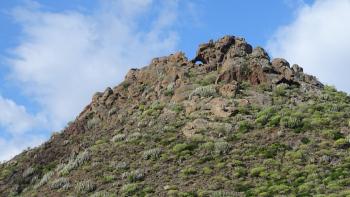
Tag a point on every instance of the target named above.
point(230, 122)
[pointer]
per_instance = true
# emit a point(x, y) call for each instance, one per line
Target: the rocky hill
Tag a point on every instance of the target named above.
point(230, 122)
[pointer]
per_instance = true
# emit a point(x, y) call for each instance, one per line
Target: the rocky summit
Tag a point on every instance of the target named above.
point(230, 122)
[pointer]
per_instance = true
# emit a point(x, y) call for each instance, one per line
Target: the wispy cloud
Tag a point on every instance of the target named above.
point(319, 41)
point(15, 119)
point(64, 57)
point(9, 147)
point(17, 122)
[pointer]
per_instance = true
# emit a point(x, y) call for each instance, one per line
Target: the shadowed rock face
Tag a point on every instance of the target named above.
point(180, 100)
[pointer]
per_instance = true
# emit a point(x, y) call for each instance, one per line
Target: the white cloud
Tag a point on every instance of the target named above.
point(15, 119)
point(65, 57)
point(11, 147)
point(17, 123)
point(318, 40)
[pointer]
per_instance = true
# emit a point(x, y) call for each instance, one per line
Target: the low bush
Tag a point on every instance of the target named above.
point(134, 136)
point(204, 91)
point(129, 189)
point(257, 171)
point(108, 178)
point(152, 153)
point(119, 165)
point(60, 183)
point(292, 122)
point(178, 148)
point(92, 123)
point(221, 147)
point(244, 126)
point(85, 186)
point(134, 176)
point(103, 194)
point(44, 179)
point(74, 163)
point(280, 90)
point(118, 137)
point(188, 171)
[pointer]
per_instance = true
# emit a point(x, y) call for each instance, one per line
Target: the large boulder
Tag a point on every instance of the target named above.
point(221, 108)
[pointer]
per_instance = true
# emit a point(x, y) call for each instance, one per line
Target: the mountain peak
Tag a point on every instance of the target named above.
point(237, 60)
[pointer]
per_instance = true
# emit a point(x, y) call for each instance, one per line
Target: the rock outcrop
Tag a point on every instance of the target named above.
point(234, 60)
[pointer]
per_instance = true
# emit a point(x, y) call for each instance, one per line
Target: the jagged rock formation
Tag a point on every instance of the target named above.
point(237, 61)
point(230, 122)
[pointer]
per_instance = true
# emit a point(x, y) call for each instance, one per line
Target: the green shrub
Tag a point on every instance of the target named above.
point(178, 148)
point(270, 151)
point(102, 194)
point(74, 163)
point(187, 194)
point(60, 183)
point(169, 90)
point(262, 120)
point(257, 171)
point(208, 79)
point(129, 189)
point(108, 178)
point(188, 171)
point(244, 126)
point(341, 142)
point(85, 186)
point(295, 155)
point(134, 136)
point(332, 134)
point(44, 179)
point(157, 105)
point(280, 189)
point(207, 170)
point(153, 109)
point(118, 137)
point(280, 90)
point(6, 172)
point(305, 140)
point(207, 147)
point(134, 176)
point(177, 108)
point(92, 123)
point(292, 122)
point(147, 190)
point(220, 165)
point(274, 120)
point(119, 165)
point(126, 85)
point(152, 153)
point(264, 87)
point(221, 194)
point(264, 116)
point(221, 147)
point(98, 142)
point(204, 91)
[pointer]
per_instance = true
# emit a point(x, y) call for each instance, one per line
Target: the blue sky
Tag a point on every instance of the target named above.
point(55, 54)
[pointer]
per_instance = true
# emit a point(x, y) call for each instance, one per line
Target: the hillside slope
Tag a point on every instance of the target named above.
point(231, 122)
